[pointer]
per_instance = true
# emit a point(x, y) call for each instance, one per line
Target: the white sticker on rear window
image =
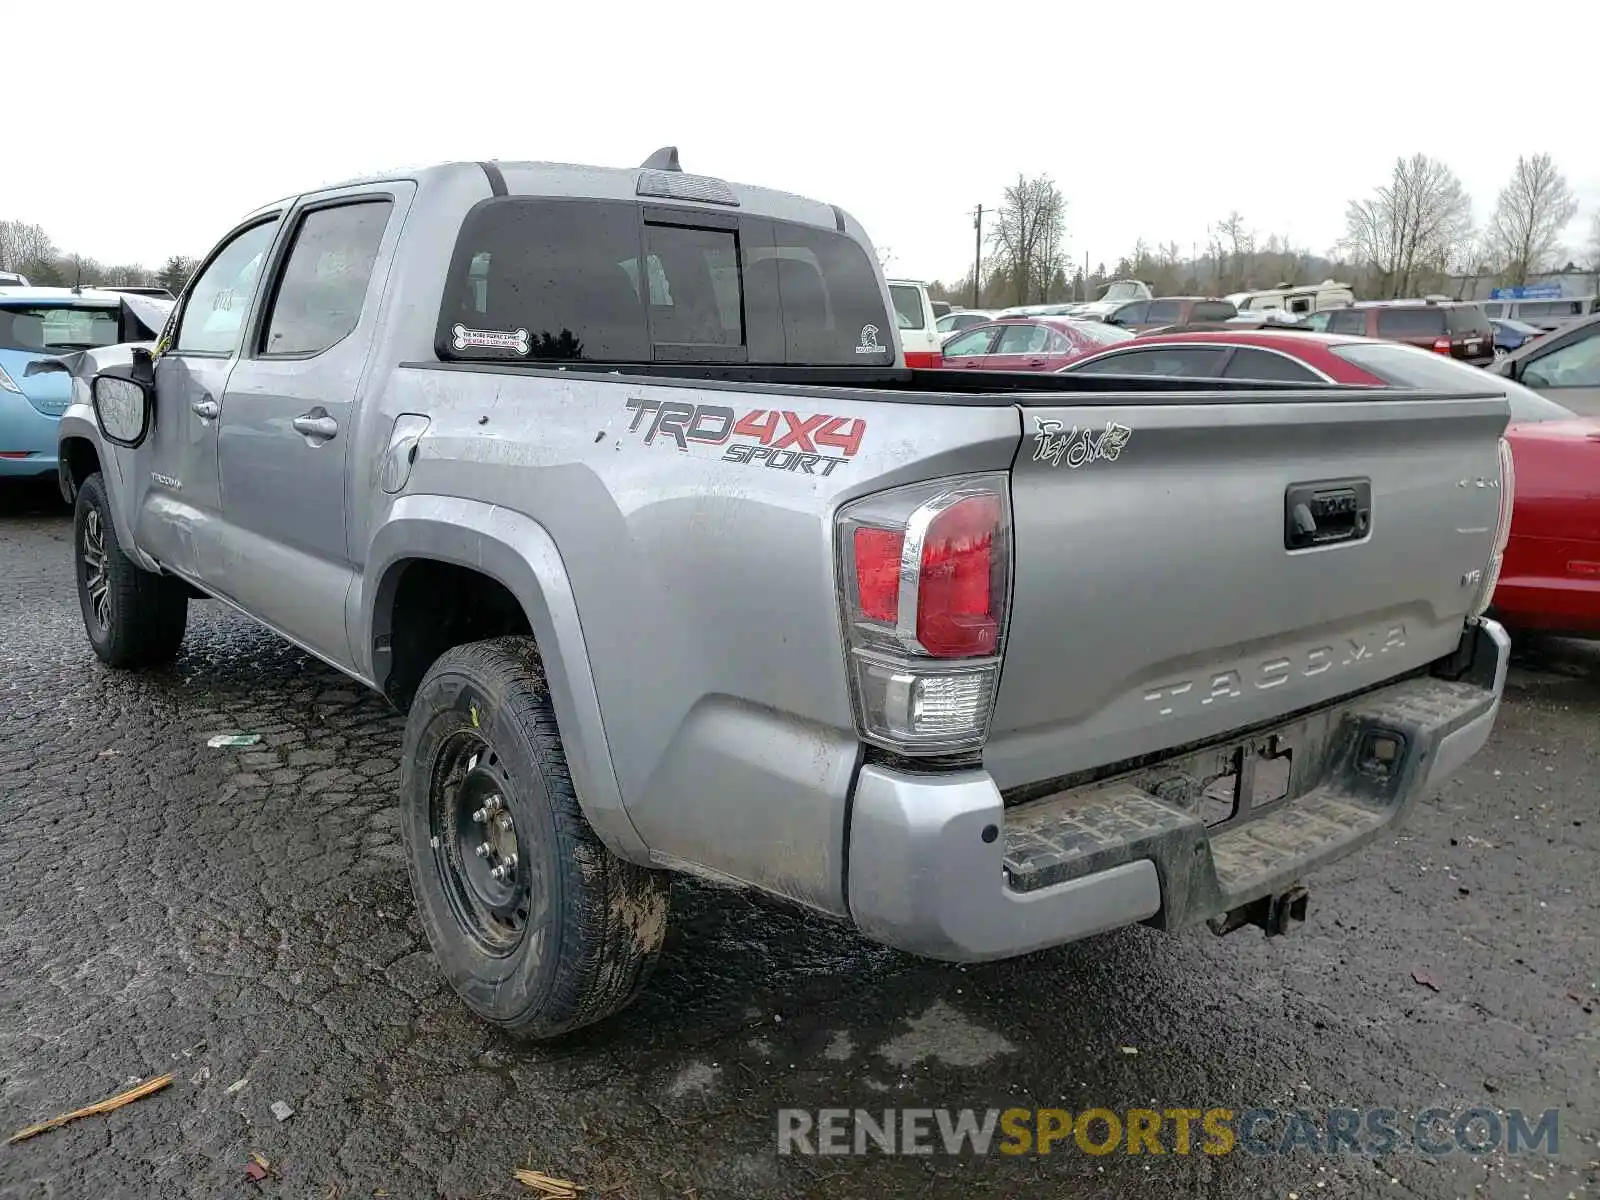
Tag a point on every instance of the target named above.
point(462, 338)
point(1055, 444)
point(869, 341)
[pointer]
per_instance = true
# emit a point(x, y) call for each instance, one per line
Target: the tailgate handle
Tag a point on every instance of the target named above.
point(1321, 514)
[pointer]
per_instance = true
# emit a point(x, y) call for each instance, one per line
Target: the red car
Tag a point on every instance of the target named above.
point(1029, 343)
point(1550, 577)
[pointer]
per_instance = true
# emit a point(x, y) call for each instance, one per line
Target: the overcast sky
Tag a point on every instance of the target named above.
point(1155, 117)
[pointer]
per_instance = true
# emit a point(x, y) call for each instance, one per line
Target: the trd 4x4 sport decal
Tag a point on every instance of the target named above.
point(769, 437)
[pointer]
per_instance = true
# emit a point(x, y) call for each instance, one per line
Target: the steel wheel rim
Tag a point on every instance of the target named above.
point(496, 911)
point(96, 573)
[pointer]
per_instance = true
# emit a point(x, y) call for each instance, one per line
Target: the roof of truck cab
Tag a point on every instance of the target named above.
point(575, 180)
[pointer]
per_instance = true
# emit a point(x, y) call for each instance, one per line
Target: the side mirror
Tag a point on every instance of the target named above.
point(122, 409)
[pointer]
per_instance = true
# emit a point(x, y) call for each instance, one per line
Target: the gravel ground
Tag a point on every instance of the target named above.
point(242, 918)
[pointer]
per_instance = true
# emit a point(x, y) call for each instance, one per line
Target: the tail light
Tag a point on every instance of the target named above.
point(1441, 345)
point(924, 579)
point(1502, 533)
point(924, 360)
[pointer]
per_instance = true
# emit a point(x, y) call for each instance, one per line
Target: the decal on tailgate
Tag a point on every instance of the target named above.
point(778, 439)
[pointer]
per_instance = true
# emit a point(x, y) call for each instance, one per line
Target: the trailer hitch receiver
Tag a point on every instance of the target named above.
point(1276, 914)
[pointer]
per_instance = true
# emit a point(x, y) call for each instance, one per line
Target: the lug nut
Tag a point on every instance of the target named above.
point(503, 821)
point(494, 804)
point(481, 815)
point(511, 862)
point(498, 872)
point(483, 849)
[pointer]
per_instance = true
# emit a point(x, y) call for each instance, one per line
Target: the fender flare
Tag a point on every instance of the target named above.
point(520, 554)
point(78, 424)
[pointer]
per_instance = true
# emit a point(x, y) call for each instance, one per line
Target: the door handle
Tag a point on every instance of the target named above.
point(316, 424)
point(1036, 362)
point(206, 409)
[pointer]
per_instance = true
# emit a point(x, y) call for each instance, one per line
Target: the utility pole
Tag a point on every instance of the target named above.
point(977, 254)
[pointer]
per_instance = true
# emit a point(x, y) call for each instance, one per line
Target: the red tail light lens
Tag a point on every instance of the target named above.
point(878, 573)
point(956, 613)
point(1441, 345)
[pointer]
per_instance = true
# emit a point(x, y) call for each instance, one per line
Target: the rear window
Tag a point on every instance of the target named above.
point(1212, 310)
point(1348, 320)
point(1102, 334)
point(57, 329)
point(1165, 312)
point(1404, 366)
point(1186, 361)
point(1550, 308)
point(1468, 319)
point(1410, 322)
point(540, 279)
point(1248, 363)
point(907, 306)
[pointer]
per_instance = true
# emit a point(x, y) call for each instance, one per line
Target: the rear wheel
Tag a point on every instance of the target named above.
point(134, 618)
point(538, 927)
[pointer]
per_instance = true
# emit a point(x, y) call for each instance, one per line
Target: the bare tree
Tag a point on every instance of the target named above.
point(1411, 227)
point(1233, 238)
point(23, 245)
point(1027, 239)
point(1532, 211)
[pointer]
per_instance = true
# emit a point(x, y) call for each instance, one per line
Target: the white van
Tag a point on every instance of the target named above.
point(919, 332)
point(1548, 313)
point(1306, 298)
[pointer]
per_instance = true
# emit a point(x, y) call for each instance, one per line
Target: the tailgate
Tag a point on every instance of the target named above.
point(1157, 600)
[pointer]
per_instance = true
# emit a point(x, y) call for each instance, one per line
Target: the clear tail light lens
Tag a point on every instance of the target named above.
point(1502, 532)
point(924, 577)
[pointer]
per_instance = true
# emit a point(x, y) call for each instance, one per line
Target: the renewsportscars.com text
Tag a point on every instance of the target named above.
point(1373, 1132)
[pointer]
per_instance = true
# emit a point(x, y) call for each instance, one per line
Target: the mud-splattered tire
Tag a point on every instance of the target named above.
point(134, 618)
point(543, 929)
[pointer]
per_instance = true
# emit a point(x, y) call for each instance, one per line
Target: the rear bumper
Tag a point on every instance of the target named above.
point(939, 866)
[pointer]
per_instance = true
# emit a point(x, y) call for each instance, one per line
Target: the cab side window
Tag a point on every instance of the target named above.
point(323, 284)
point(217, 300)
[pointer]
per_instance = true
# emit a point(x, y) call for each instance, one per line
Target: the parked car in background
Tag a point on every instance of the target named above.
point(1547, 314)
point(1029, 343)
point(137, 289)
point(1456, 328)
point(940, 308)
point(10, 279)
point(966, 318)
point(1564, 365)
point(913, 313)
point(1117, 293)
point(1038, 310)
point(1287, 357)
point(1298, 299)
point(1512, 335)
point(1140, 315)
point(37, 327)
point(1549, 577)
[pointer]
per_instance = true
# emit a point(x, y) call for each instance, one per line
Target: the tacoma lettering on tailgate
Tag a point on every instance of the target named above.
point(775, 438)
point(1194, 695)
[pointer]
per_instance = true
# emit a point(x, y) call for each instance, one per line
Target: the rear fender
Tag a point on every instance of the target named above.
point(519, 553)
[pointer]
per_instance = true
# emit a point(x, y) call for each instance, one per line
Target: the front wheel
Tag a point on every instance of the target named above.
point(134, 618)
point(538, 926)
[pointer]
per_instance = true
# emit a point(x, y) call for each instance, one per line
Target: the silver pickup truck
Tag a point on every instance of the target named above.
point(615, 482)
